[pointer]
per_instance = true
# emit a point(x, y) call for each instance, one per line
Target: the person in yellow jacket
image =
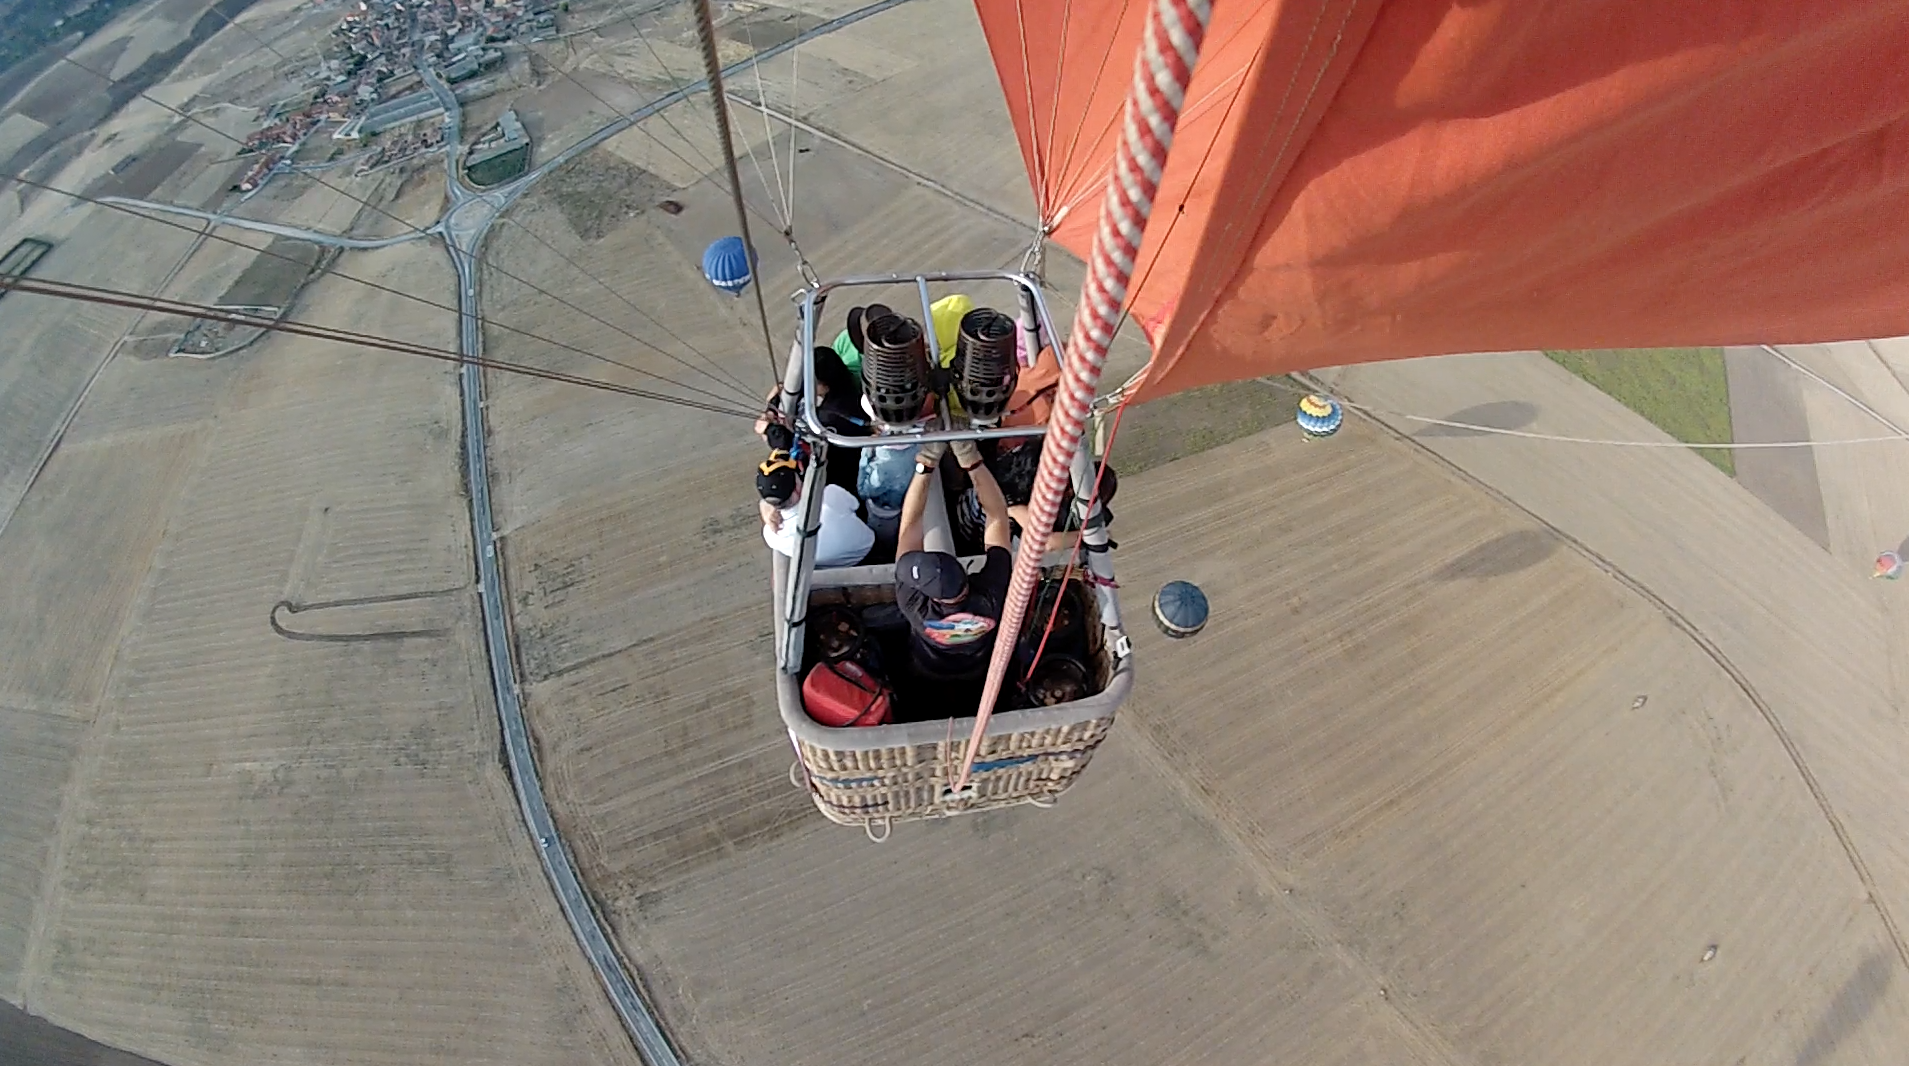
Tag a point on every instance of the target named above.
point(947, 311)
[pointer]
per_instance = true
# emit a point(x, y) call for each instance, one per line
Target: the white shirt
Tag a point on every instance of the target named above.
point(844, 539)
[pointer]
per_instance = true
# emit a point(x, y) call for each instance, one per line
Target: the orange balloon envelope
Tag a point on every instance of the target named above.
point(1357, 180)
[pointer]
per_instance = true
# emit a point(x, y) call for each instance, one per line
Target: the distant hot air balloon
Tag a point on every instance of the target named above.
point(729, 266)
point(1320, 416)
point(1888, 566)
point(1179, 609)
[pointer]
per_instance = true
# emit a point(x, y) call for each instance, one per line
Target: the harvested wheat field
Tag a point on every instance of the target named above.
point(52, 348)
point(1399, 803)
point(265, 818)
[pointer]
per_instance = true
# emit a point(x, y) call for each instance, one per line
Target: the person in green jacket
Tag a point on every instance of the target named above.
point(947, 311)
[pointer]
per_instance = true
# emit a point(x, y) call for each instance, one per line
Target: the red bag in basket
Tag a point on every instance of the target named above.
point(845, 694)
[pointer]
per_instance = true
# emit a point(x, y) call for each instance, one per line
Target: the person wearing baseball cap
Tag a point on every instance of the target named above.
point(838, 402)
point(843, 538)
point(850, 342)
point(952, 614)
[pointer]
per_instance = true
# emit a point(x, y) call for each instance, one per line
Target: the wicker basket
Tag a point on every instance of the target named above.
point(875, 776)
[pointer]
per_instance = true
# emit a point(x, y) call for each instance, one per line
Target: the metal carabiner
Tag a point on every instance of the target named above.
point(801, 261)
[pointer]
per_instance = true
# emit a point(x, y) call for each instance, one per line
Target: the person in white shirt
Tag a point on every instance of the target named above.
point(843, 540)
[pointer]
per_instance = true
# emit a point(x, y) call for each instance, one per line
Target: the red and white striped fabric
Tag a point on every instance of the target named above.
point(1175, 31)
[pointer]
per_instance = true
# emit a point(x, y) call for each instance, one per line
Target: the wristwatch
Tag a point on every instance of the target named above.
point(922, 468)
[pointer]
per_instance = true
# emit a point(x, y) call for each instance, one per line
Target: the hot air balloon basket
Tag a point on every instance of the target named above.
point(899, 782)
point(1043, 735)
point(876, 776)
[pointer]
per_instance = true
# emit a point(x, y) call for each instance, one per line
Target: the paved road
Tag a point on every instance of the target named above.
point(464, 225)
point(297, 233)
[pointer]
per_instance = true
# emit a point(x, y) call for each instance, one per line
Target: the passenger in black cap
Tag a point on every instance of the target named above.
point(838, 402)
point(842, 538)
point(779, 477)
point(952, 614)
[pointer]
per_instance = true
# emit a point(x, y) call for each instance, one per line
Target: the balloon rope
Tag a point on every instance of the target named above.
point(1080, 538)
point(159, 305)
point(1481, 429)
point(713, 71)
point(1162, 70)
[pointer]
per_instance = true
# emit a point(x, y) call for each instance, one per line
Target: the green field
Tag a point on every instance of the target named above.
point(1682, 390)
point(499, 170)
point(1190, 422)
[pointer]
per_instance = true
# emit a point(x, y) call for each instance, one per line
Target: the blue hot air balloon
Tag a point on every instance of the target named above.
point(1179, 609)
point(729, 266)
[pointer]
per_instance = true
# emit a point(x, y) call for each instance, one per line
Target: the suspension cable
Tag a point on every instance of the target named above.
point(795, 83)
point(785, 228)
point(726, 376)
point(669, 75)
point(784, 218)
point(1092, 182)
point(1054, 109)
point(209, 234)
point(625, 12)
point(712, 66)
point(783, 207)
point(116, 298)
point(787, 191)
point(1122, 393)
point(1093, 87)
point(1034, 260)
point(1033, 125)
point(787, 232)
point(706, 164)
point(730, 382)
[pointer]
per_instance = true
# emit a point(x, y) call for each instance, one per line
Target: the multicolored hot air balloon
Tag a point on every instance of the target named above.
point(1320, 416)
point(729, 266)
point(1888, 566)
